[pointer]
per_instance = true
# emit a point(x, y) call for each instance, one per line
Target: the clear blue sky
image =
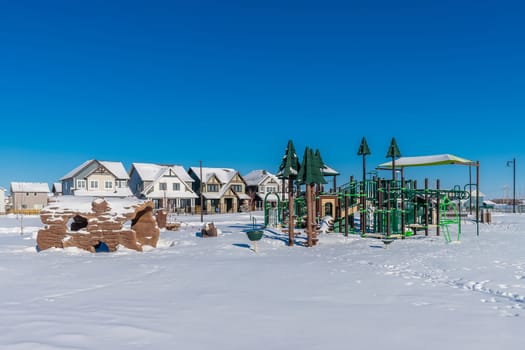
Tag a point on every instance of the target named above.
point(230, 82)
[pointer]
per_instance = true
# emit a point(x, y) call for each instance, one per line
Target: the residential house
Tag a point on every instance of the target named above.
point(168, 186)
point(2, 200)
point(97, 178)
point(223, 189)
point(29, 197)
point(260, 185)
point(57, 189)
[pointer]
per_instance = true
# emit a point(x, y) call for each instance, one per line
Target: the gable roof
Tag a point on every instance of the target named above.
point(116, 168)
point(224, 175)
point(41, 187)
point(57, 187)
point(256, 177)
point(152, 172)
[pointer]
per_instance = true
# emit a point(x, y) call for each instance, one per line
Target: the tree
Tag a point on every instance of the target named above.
point(289, 169)
point(310, 174)
point(364, 151)
point(393, 152)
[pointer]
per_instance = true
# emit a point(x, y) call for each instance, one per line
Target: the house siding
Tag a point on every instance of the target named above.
point(29, 200)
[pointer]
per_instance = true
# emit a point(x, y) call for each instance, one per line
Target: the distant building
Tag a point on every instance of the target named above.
point(260, 184)
point(57, 189)
point(28, 196)
point(98, 179)
point(168, 186)
point(2, 200)
point(223, 190)
point(472, 200)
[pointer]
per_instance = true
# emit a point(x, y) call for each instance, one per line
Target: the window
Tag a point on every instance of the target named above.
point(163, 186)
point(176, 186)
point(121, 183)
point(108, 185)
point(81, 184)
point(93, 184)
point(213, 188)
point(261, 189)
point(237, 188)
point(271, 189)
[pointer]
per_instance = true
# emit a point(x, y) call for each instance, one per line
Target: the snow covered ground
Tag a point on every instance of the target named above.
point(217, 293)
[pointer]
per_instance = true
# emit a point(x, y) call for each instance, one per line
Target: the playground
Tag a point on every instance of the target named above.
point(385, 207)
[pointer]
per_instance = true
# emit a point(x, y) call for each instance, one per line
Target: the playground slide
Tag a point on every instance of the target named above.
point(350, 211)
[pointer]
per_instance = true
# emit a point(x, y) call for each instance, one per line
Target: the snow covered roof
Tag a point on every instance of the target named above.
point(256, 177)
point(152, 172)
point(440, 159)
point(42, 187)
point(57, 187)
point(116, 168)
point(223, 174)
point(328, 171)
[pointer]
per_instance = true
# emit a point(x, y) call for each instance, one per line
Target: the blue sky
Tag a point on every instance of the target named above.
point(230, 82)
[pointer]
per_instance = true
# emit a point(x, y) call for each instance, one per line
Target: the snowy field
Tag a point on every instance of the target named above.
point(217, 293)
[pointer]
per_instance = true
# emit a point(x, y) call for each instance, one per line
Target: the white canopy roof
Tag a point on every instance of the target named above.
point(440, 159)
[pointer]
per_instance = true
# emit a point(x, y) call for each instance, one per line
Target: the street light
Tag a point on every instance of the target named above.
point(513, 162)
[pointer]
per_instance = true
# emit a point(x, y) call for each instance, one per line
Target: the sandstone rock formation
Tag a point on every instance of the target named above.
point(72, 222)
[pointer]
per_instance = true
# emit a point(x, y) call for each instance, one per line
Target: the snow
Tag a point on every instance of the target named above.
point(195, 293)
point(152, 172)
point(257, 177)
point(224, 175)
point(29, 187)
point(83, 204)
point(439, 159)
point(116, 168)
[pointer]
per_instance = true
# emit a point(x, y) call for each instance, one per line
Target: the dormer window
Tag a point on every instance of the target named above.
point(213, 188)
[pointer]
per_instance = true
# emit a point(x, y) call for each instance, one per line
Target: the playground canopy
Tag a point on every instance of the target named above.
point(440, 159)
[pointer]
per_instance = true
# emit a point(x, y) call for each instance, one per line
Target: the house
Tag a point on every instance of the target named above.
point(2, 200)
point(97, 178)
point(260, 184)
point(57, 189)
point(29, 197)
point(168, 186)
point(223, 189)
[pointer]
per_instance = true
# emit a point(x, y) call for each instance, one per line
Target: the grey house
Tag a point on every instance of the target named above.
point(98, 179)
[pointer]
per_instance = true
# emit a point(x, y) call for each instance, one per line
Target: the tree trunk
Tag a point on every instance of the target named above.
point(291, 224)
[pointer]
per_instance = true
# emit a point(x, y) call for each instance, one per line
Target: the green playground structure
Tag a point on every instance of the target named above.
point(379, 207)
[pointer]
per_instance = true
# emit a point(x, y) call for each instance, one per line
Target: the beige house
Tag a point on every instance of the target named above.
point(261, 185)
point(168, 186)
point(98, 179)
point(28, 197)
point(223, 189)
